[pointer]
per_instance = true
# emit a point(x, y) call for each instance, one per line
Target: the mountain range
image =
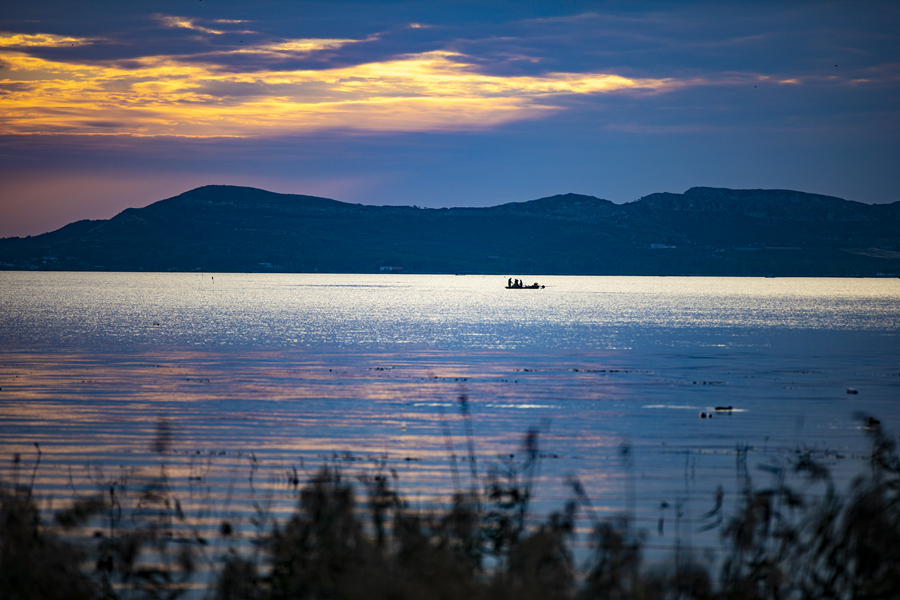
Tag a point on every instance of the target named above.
point(704, 231)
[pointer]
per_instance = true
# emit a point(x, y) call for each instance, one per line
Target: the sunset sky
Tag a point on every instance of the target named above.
point(108, 105)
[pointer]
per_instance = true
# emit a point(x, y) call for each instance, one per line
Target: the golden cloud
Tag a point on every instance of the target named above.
point(309, 45)
point(38, 39)
point(172, 96)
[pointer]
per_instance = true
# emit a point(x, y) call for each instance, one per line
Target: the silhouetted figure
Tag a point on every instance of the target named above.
point(509, 283)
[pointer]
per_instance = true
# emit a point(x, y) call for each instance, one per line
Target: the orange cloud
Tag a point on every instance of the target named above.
point(38, 39)
point(173, 96)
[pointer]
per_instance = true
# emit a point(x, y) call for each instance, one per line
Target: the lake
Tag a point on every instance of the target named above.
point(261, 378)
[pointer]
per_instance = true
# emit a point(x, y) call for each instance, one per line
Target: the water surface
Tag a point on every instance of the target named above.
point(263, 374)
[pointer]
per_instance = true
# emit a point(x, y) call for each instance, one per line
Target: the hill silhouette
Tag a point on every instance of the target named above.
point(705, 231)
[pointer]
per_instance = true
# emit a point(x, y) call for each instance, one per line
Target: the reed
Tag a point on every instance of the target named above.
point(360, 538)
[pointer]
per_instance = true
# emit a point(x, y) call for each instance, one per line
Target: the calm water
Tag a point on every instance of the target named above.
point(259, 375)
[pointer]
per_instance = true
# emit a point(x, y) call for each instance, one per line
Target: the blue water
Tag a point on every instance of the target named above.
point(276, 372)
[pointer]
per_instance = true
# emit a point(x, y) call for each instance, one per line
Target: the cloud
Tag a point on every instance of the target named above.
point(15, 86)
point(173, 22)
point(45, 40)
point(197, 76)
point(194, 96)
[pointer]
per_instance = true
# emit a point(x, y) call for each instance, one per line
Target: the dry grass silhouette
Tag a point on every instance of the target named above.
point(360, 538)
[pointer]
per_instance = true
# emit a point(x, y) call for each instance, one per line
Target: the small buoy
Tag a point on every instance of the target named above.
point(852, 391)
point(703, 415)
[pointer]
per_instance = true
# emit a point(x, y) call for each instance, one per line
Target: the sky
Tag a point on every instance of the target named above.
point(110, 105)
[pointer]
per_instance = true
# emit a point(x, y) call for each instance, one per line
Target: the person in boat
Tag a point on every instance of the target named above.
point(509, 283)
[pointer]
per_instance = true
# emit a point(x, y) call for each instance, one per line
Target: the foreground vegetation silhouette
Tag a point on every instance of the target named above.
point(348, 541)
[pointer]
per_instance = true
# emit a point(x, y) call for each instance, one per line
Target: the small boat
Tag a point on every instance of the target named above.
point(521, 286)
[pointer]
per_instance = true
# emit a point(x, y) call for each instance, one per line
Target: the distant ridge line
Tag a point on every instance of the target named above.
point(704, 231)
